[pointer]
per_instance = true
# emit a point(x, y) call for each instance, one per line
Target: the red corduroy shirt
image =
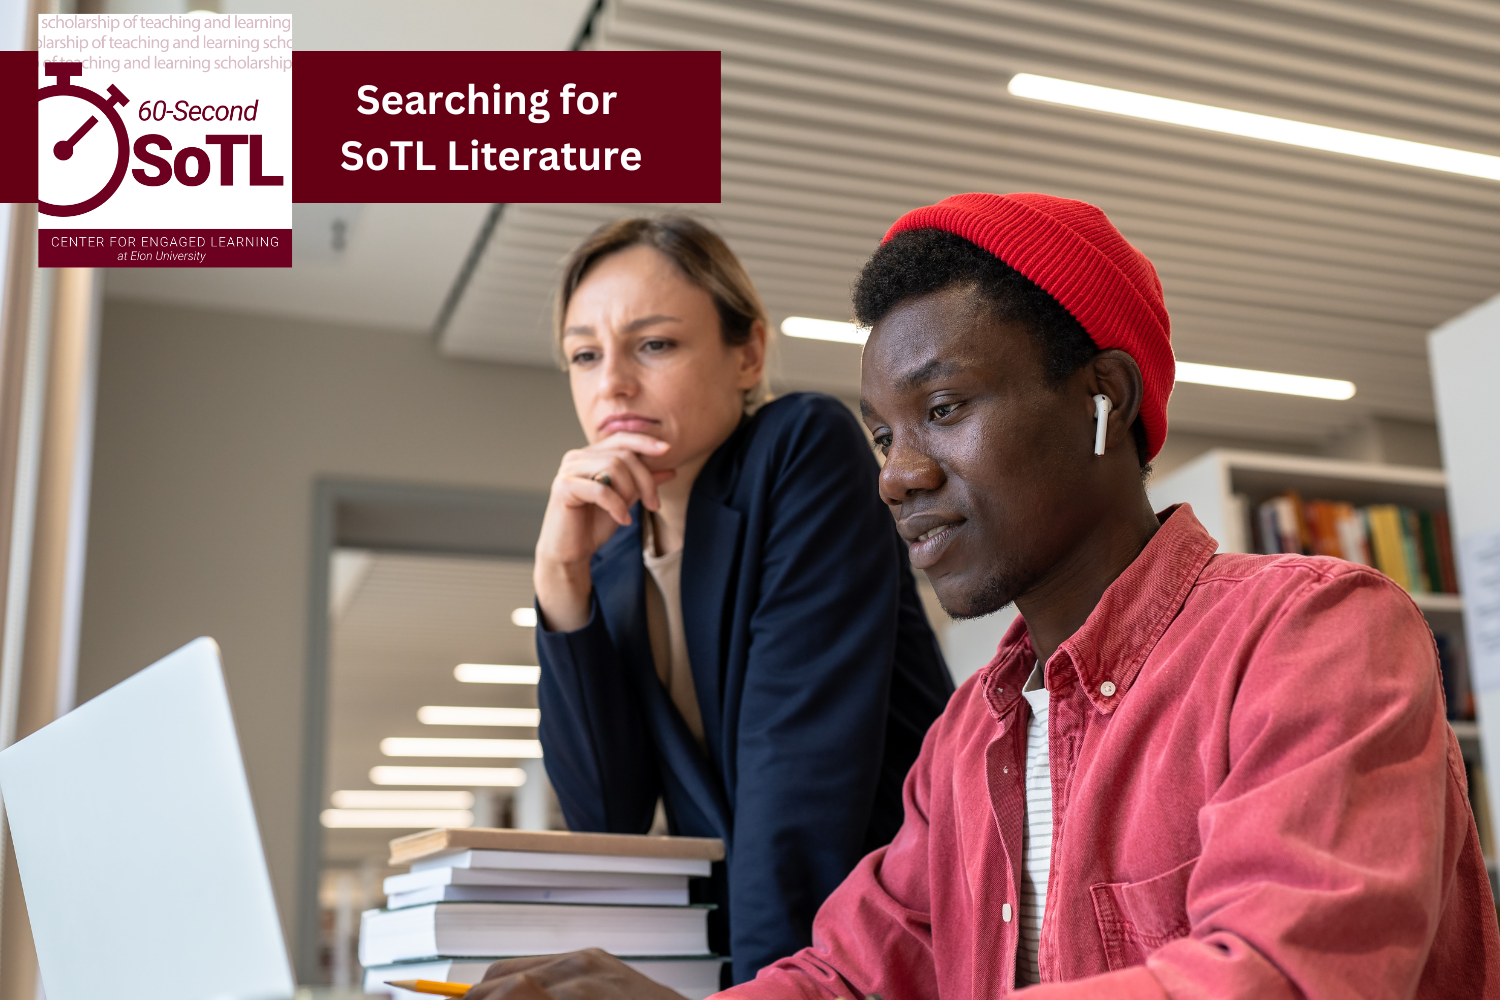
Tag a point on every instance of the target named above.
point(1255, 794)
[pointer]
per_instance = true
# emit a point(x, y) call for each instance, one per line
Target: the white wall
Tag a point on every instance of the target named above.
point(211, 430)
point(1465, 355)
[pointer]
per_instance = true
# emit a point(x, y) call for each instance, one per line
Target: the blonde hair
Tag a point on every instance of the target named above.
point(699, 253)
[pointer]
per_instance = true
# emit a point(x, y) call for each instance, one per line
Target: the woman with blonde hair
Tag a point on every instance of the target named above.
point(727, 621)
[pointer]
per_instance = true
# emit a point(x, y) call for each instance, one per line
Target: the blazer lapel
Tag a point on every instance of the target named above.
point(620, 585)
point(711, 547)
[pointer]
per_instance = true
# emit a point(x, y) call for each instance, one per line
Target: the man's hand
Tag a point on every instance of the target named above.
point(580, 975)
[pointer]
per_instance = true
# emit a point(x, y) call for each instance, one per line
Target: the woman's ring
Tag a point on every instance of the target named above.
point(602, 478)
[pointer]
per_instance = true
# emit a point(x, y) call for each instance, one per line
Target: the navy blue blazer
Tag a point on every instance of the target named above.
point(816, 672)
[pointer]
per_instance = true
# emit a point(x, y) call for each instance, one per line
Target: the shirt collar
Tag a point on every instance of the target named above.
point(1108, 651)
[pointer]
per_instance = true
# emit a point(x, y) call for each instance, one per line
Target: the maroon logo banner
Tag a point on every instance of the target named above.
point(505, 126)
point(18, 122)
point(164, 247)
point(471, 127)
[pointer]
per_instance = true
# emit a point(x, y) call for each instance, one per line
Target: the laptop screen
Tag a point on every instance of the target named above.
point(137, 844)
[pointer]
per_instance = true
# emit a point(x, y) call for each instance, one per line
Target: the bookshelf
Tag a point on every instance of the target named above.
point(1211, 482)
point(1468, 737)
point(1225, 486)
point(1439, 604)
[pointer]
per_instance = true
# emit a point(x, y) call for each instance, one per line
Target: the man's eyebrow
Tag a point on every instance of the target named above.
point(865, 411)
point(934, 369)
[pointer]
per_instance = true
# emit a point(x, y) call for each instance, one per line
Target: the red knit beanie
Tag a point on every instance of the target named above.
point(1071, 250)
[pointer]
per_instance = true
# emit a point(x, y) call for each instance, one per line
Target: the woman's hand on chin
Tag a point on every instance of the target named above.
point(581, 975)
point(592, 494)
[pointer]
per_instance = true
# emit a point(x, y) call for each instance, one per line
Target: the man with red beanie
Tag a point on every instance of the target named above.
point(1183, 774)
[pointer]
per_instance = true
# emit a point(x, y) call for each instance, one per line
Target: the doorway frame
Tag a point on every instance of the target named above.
point(382, 516)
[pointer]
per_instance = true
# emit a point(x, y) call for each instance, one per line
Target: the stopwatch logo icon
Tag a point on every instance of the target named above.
point(75, 163)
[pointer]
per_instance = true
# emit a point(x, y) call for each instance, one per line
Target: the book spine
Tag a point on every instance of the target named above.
point(1479, 800)
point(1385, 539)
point(1444, 541)
point(1463, 680)
point(1267, 542)
point(1322, 522)
point(1411, 547)
point(1289, 524)
point(1303, 537)
point(1430, 553)
point(1349, 526)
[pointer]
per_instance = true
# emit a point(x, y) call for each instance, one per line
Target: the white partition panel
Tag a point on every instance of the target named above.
point(1465, 357)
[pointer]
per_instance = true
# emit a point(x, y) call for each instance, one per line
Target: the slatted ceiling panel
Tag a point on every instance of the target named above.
point(838, 115)
point(1227, 51)
point(451, 608)
point(393, 649)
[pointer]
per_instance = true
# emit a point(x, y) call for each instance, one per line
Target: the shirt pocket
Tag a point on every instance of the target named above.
point(1136, 918)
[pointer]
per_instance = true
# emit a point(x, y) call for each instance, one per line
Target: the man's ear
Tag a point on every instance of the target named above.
point(1115, 374)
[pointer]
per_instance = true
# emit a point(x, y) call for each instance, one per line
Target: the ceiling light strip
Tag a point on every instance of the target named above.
point(1253, 126)
point(395, 819)
point(461, 777)
point(475, 715)
point(1248, 378)
point(421, 746)
point(1187, 371)
point(824, 329)
point(496, 673)
point(364, 798)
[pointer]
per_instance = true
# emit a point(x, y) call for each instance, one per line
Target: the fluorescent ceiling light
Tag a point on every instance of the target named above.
point(1253, 126)
point(398, 746)
point(496, 673)
point(524, 617)
point(395, 819)
point(1236, 378)
point(382, 799)
point(471, 777)
point(1247, 378)
point(464, 715)
point(824, 329)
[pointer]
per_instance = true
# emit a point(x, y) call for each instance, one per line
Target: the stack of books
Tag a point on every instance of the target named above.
point(1412, 547)
point(475, 896)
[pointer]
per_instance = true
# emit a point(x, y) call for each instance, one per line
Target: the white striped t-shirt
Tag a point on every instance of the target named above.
point(1036, 843)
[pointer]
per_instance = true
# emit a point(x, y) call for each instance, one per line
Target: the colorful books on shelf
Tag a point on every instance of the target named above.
point(474, 896)
point(1412, 547)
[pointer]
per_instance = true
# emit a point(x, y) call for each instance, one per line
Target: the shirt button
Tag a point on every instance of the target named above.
point(1107, 689)
point(1005, 913)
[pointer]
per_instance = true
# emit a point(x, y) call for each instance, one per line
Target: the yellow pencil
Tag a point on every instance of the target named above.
point(432, 986)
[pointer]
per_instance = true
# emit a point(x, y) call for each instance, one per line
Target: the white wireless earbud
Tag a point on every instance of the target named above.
point(1102, 406)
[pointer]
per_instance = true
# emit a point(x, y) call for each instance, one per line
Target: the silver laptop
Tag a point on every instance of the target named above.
point(139, 854)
